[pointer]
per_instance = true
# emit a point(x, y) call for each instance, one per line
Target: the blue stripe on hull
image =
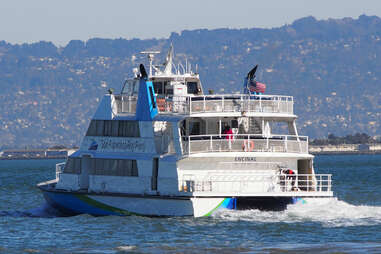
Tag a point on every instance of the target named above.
point(229, 203)
point(71, 204)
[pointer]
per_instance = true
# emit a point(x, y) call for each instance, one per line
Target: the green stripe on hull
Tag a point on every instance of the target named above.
point(210, 213)
point(92, 202)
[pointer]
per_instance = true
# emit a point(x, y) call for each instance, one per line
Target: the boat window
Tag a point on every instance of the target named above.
point(73, 166)
point(113, 167)
point(69, 165)
point(135, 87)
point(99, 128)
point(128, 87)
point(234, 123)
point(91, 131)
point(194, 128)
point(192, 87)
point(98, 170)
point(128, 129)
point(279, 127)
point(127, 168)
point(151, 96)
point(113, 128)
point(169, 91)
point(165, 87)
point(158, 86)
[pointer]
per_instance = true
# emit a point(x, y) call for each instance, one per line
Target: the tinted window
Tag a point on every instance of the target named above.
point(113, 128)
point(192, 87)
point(158, 86)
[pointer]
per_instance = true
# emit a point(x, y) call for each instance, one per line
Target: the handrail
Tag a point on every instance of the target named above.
point(244, 143)
point(191, 104)
point(266, 183)
point(252, 135)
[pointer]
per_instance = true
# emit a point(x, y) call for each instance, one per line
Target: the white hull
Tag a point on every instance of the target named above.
point(94, 204)
point(113, 204)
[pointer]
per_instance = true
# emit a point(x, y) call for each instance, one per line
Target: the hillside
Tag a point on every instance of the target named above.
point(331, 67)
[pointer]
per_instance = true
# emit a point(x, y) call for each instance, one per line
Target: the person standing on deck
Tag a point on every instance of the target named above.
point(229, 136)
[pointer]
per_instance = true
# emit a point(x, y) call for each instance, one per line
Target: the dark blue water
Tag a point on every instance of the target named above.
point(350, 224)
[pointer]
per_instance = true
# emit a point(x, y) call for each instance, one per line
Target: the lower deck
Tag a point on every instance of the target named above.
point(100, 204)
point(214, 176)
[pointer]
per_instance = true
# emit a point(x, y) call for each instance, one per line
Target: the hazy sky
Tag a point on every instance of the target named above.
point(61, 21)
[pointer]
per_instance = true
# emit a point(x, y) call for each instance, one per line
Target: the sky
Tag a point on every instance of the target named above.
point(27, 21)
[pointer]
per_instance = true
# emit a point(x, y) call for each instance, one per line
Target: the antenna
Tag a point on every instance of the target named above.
point(151, 56)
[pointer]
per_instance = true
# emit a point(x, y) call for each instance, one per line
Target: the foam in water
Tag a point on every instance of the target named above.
point(330, 212)
point(126, 248)
point(43, 211)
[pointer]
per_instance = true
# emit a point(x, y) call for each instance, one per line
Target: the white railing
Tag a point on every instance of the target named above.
point(305, 182)
point(212, 104)
point(244, 143)
point(241, 103)
point(257, 183)
point(125, 104)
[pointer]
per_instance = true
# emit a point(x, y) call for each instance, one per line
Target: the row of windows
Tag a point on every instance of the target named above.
point(110, 167)
point(113, 128)
point(162, 88)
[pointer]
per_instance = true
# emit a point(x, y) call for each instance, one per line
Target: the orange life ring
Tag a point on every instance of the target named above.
point(248, 146)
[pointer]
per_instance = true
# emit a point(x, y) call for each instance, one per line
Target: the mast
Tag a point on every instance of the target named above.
point(151, 56)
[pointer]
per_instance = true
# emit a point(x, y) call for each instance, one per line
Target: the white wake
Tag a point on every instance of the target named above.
point(329, 212)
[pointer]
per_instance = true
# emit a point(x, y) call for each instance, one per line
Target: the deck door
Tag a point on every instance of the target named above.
point(85, 169)
point(155, 172)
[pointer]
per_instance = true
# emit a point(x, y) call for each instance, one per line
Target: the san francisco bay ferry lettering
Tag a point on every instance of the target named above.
point(130, 145)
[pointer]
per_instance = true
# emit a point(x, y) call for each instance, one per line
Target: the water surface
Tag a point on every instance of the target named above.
point(348, 224)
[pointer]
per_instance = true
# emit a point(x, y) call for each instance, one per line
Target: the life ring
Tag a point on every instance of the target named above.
point(248, 146)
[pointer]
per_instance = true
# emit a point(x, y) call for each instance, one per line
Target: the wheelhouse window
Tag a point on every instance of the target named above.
point(158, 87)
point(131, 87)
point(73, 165)
point(192, 88)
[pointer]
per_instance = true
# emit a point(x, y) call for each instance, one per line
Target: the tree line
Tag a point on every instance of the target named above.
point(358, 138)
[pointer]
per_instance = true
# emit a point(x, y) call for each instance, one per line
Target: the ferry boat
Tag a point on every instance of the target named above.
point(161, 147)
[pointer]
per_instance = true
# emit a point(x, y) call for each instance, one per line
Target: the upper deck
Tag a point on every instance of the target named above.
point(191, 105)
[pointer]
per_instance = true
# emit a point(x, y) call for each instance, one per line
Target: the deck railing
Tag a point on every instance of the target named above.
point(125, 104)
point(244, 143)
point(212, 104)
point(257, 183)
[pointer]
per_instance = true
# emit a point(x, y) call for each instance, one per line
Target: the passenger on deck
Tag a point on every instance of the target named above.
point(228, 132)
point(229, 135)
point(291, 176)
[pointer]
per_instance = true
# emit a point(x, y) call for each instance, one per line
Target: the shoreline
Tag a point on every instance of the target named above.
point(345, 152)
point(32, 158)
point(313, 153)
